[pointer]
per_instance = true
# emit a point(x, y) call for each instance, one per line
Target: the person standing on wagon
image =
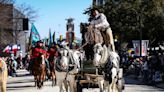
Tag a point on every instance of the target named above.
point(99, 21)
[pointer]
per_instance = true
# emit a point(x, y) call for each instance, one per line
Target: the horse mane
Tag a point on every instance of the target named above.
point(114, 55)
point(104, 55)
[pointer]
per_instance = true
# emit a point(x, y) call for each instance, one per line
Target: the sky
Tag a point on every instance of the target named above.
point(52, 15)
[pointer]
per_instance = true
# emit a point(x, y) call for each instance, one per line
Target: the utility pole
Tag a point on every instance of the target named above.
point(140, 35)
point(141, 26)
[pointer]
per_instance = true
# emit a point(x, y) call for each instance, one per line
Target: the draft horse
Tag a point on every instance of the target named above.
point(67, 66)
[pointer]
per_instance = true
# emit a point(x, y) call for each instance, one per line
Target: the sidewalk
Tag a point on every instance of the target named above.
point(160, 85)
point(131, 80)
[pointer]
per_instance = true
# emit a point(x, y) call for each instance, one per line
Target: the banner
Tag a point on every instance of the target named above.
point(137, 47)
point(145, 44)
point(34, 35)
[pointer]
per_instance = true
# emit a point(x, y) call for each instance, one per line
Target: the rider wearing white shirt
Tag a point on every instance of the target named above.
point(100, 22)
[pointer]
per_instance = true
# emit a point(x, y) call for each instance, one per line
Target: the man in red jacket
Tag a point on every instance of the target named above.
point(36, 51)
point(53, 54)
point(53, 51)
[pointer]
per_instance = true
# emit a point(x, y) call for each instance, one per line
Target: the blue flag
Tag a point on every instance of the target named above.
point(53, 37)
point(50, 38)
point(34, 35)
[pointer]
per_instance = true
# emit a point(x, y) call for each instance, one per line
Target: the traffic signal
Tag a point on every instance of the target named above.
point(25, 23)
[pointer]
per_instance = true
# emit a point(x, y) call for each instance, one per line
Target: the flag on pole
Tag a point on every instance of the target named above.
point(50, 38)
point(34, 35)
point(12, 48)
point(53, 37)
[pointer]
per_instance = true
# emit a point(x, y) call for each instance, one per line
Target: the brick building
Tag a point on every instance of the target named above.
point(11, 27)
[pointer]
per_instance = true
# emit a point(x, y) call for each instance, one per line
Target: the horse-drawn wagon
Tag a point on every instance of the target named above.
point(100, 67)
point(95, 66)
point(91, 76)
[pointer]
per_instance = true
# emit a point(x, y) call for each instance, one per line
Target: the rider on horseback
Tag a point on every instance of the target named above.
point(99, 21)
point(53, 54)
point(53, 51)
point(36, 51)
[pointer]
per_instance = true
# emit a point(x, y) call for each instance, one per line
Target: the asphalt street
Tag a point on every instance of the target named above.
point(25, 83)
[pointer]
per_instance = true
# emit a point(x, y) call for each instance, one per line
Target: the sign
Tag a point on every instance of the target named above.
point(145, 44)
point(137, 47)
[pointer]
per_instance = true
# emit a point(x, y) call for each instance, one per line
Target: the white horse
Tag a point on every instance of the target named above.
point(66, 67)
point(108, 62)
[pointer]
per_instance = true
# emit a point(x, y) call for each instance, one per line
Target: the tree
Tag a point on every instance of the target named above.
point(11, 17)
point(26, 11)
point(7, 1)
point(130, 17)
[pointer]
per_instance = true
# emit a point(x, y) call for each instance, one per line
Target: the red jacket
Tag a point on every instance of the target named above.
point(36, 51)
point(52, 52)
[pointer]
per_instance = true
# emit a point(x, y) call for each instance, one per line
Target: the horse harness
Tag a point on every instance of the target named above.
point(105, 68)
point(70, 58)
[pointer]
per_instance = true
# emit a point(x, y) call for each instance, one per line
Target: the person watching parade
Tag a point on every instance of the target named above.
point(99, 21)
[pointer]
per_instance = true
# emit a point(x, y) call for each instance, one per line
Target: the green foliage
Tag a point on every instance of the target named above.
point(130, 17)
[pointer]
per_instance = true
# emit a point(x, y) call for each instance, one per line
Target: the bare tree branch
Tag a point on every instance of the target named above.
point(28, 11)
point(25, 11)
point(7, 1)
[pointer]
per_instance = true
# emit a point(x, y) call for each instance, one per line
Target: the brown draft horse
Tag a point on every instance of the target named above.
point(91, 36)
point(3, 75)
point(39, 70)
point(83, 31)
point(52, 75)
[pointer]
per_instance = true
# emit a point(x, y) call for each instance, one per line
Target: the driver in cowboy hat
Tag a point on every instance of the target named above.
point(99, 21)
point(37, 50)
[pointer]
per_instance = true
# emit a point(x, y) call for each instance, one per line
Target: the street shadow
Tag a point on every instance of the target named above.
point(21, 81)
point(12, 88)
point(132, 80)
point(24, 75)
point(17, 87)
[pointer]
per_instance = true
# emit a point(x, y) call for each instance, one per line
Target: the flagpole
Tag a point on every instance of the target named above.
point(30, 41)
point(34, 37)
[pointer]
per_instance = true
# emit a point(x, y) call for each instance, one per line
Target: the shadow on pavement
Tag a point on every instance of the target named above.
point(132, 80)
point(23, 75)
point(20, 81)
point(19, 87)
